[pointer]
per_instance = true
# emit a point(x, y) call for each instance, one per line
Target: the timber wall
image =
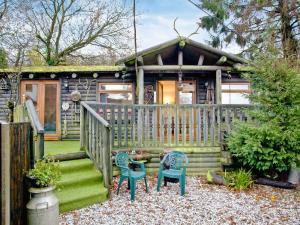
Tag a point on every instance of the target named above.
point(87, 86)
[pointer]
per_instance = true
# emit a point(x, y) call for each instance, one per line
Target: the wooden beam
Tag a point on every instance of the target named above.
point(180, 58)
point(159, 60)
point(175, 68)
point(201, 59)
point(221, 61)
point(218, 87)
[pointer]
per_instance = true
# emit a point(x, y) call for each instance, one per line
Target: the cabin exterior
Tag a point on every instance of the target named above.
point(165, 99)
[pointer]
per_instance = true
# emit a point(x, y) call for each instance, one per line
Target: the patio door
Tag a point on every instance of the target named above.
point(45, 97)
point(170, 92)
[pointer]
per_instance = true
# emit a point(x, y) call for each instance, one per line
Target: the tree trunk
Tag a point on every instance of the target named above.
point(289, 44)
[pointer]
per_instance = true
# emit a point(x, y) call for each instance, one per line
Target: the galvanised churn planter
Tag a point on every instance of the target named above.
point(43, 207)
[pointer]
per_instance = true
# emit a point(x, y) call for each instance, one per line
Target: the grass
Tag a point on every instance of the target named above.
point(61, 147)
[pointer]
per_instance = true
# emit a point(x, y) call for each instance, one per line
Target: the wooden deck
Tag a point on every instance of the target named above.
point(108, 127)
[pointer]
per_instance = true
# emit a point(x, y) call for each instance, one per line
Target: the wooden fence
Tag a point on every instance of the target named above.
point(95, 139)
point(169, 125)
point(15, 158)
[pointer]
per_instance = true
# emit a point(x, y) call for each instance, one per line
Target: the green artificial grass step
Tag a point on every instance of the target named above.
point(76, 165)
point(80, 177)
point(81, 185)
point(77, 197)
point(61, 147)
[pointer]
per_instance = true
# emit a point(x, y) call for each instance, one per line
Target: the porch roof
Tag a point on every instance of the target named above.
point(191, 50)
point(62, 69)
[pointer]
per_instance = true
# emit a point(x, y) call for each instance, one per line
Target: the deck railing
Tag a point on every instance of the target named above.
point(27, 113)
point(139, 126)
point(95, 139)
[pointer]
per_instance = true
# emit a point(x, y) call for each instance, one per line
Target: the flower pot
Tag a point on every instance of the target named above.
point(43, 207)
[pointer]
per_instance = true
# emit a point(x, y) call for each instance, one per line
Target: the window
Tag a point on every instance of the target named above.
point(235, 93)
point(115, 93)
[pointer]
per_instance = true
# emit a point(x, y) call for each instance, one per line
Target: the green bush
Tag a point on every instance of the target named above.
point(239, 180)
point(271, 144)
point(46, 172)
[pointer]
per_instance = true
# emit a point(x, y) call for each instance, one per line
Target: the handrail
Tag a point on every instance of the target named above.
point(95, 139)
point(95, 114)
point(37, 128)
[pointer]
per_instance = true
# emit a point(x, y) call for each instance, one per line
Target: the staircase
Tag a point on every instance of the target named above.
point(80, 185)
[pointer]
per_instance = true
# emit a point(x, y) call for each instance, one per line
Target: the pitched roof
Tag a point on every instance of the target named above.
point(188, 42)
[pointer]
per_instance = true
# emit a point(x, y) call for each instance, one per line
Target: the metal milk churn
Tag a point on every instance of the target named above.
point(42, 209)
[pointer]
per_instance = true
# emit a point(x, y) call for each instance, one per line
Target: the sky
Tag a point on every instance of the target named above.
point(155, 22)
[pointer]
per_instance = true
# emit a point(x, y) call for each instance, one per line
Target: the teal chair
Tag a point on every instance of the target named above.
point(122, 161)
point(173, 165)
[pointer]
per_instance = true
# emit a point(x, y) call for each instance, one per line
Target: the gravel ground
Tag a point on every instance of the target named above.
point(202, 204)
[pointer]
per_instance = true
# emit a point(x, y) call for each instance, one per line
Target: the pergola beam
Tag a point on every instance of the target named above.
point(221, 61)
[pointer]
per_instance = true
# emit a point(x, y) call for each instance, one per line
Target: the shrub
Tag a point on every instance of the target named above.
point(45, 172)
point(272, 143)
point(238, 180)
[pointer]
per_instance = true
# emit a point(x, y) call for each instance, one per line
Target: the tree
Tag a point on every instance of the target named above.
point(270, 144)
point(64, 27)
point(3, 59)
point(253, 24)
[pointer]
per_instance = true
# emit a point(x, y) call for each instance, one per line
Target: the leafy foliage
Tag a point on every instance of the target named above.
point(271, 144)
point(252, 24)
point(239, 180)
point(46, 172)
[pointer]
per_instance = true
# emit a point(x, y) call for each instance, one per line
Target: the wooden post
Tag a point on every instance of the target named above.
point(159, 60)
point(82, 128)
point(201, 59)
point(218, 87)
point(180, 58)
point(141, 102)
point(5, 173)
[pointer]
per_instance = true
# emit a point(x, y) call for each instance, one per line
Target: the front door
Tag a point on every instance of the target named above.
point(45, 97)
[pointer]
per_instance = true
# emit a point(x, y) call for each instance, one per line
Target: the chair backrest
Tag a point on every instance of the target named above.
point(175, 160)
point(122, 160)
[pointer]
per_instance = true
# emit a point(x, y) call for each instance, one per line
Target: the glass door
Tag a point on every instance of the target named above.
point(44, 95)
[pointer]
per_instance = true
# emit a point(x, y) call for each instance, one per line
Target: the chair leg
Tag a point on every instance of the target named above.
point(160, 176)
point(132, 189)
point(128, 184)
point(145, 179)
point(182, 185)
point(120, 183)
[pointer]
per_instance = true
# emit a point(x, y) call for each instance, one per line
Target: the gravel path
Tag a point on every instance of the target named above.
point(202, 204)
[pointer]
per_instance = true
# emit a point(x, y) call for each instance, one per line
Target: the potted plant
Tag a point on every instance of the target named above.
point(43, 205)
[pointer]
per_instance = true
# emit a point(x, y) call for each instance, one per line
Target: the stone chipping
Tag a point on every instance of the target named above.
point(202, 204)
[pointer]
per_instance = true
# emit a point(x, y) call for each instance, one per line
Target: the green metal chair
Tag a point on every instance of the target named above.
point(122, 161)
point(176, 163)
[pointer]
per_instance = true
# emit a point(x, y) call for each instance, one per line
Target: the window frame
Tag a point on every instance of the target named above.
point(238, 91)
point(99, 91)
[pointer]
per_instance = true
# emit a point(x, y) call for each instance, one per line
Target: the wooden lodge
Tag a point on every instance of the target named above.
point(184, 93)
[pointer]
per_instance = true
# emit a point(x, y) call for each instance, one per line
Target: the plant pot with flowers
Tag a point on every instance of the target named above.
point(43, 207)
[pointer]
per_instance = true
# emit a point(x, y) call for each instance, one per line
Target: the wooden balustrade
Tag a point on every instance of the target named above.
point(95, 139)
point(27, 113)
point(139, 126)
